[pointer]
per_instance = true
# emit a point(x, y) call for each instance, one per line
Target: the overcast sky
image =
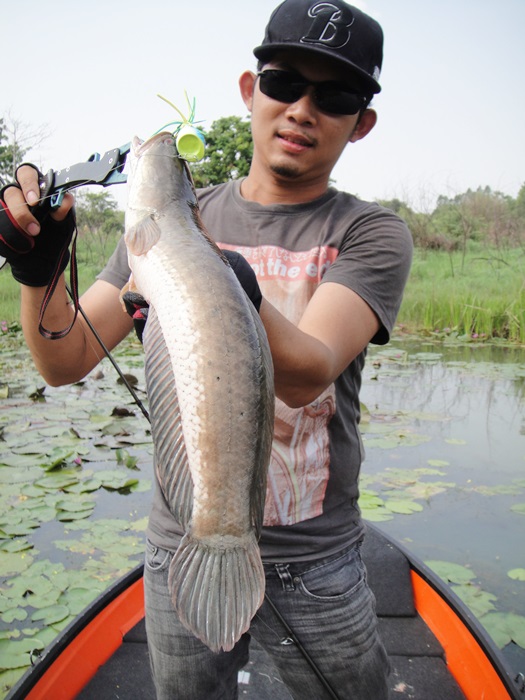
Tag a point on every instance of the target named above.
point(451, 113)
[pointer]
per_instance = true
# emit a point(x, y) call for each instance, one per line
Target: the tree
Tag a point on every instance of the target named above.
point(16, 140)
point(420, 225)
point(100, 223)
point(229, 151)
point(8, 155)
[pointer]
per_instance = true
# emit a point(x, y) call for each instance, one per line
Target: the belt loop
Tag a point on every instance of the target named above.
point(285, 576)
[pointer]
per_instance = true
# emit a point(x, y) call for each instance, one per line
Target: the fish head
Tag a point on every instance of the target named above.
point(155, 172)
point(157, 178)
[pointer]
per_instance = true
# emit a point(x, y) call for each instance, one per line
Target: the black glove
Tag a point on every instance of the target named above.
point(137, 306)
point(246, 276)
point(35, 259)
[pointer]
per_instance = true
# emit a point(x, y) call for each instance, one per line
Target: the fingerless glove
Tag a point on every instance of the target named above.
point(34, 259)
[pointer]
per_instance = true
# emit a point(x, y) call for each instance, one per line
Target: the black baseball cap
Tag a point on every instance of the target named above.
point(334, 29)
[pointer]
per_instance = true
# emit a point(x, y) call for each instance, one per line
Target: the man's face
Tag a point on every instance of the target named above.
point(298, 141)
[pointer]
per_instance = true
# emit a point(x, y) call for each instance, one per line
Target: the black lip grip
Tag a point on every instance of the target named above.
point(97, 170)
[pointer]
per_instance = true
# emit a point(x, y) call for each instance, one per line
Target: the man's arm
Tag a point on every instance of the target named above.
point(71, 358)
point(335, 327)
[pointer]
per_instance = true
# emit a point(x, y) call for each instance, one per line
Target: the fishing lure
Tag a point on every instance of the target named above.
point(189, 139)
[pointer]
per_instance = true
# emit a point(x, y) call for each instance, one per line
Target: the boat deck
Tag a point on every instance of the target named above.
point(418, 666)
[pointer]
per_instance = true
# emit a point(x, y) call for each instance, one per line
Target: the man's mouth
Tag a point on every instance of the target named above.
point(294, 142)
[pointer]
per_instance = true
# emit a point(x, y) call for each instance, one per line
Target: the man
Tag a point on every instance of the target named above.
point(332, 270)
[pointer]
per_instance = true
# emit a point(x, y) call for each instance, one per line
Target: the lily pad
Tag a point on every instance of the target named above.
point(405, 507)
point(498, 490)
point(20, 544)
point(16, 654)
point(77, 599)
point(479, 601)
point(9, 616)
point(18, 529)
point(516, 574)
point(518, 508)
point(73, 505)
point(505, 628)
point(66, 516)
point(115, 480)
point(56, 458)
point(85, 486)
point(448, 571)
point(54, 481)
point(438, 463)
point(51, 615)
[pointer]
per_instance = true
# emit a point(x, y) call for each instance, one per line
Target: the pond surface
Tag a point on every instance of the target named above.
point(444, 432)
point(444, 429)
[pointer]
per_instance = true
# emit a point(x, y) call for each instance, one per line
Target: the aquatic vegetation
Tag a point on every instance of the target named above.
point(63, 454)
point(74, 473)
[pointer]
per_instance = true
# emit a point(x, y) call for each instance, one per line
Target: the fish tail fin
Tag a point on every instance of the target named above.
point(216, 590)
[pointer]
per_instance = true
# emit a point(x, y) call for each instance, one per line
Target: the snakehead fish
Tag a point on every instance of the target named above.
point(209, 379)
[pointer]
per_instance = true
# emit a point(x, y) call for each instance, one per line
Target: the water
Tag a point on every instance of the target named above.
point(460, 410)
point(444, 428)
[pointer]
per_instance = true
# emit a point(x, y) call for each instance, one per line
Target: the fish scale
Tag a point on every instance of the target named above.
point(210, 385)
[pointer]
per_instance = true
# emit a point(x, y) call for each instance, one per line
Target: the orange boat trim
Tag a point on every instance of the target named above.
point(91, 648)
point(465, 658)
point(95, 644)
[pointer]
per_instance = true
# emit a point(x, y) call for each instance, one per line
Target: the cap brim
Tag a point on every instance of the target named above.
point(266, 53)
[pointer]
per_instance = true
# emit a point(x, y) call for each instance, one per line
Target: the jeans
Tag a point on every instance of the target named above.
point(329, 608)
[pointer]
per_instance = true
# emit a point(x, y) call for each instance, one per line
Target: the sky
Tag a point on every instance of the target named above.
point(451, 113)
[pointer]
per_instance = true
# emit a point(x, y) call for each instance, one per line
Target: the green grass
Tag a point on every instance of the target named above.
point(482, 296)
point(89, 263)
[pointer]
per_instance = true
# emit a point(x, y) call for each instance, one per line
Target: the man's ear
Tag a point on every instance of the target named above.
point(364, 126)
point(247, 86)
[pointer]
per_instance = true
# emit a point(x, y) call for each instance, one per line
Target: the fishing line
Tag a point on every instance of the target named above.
point(324, 682)
point(184, 121)
point(289, 631)
point(110, 357)
point(189, 122)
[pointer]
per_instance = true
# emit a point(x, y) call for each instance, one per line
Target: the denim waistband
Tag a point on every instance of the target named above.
point(274, 569)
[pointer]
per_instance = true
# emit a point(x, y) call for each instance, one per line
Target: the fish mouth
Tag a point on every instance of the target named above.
point(140, 146)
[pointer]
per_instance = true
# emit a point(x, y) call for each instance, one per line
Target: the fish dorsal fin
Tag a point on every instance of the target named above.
point(142, 236)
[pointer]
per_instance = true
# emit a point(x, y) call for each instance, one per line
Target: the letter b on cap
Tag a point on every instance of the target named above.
point(330, 27)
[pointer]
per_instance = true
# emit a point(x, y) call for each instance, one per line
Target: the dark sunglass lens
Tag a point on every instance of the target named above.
point(288, 87)
point(281, 85)
point(338, 100)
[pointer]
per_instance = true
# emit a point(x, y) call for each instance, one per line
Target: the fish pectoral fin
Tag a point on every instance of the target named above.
point(142, 236)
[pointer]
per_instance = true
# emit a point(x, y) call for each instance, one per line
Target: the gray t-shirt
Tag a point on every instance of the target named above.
point(311, 502)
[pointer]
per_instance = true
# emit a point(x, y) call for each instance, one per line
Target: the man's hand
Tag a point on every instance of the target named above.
point(33, 239)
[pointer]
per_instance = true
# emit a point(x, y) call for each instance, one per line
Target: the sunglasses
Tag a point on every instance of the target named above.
point(329, 96)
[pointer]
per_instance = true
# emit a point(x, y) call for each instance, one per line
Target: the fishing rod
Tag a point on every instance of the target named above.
point(289, 631)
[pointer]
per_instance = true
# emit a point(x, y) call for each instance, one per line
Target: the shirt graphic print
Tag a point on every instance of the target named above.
point(299, 467)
